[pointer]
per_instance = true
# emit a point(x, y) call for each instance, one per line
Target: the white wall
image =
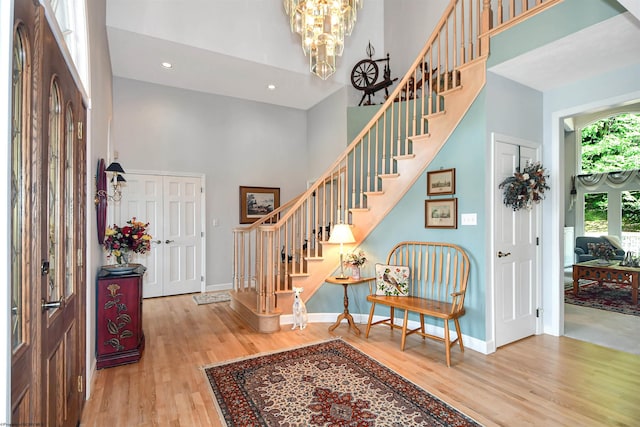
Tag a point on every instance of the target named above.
point(98, 116)
point(232, 141)
point(326, 133)
point(407, 27)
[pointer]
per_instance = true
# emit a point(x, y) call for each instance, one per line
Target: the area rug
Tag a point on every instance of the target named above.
point(606, 296)
point(209, 298)
point(326, 384)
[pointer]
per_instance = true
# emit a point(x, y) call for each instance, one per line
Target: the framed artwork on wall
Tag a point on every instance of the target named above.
point(441, 182)
point(256, 202)
point(441, 213)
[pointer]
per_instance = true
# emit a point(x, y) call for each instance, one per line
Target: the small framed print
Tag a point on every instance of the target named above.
point(441, 213)
point(257, 202)
point(441, 182)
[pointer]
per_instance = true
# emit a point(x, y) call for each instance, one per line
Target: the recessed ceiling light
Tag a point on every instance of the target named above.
point(271, 87)
point(167, 65)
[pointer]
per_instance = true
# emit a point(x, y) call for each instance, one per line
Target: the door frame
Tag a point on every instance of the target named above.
point(203, 219)
point(490, 297)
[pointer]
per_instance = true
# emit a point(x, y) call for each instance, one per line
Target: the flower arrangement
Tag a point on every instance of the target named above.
point(525, 188)
point(356, 259)
point(133, 237)
point(604, 251)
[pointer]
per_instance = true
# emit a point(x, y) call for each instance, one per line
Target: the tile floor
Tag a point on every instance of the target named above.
point(605, 328)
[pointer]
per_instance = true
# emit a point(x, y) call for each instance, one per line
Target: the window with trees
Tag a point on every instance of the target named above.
point(610, 175)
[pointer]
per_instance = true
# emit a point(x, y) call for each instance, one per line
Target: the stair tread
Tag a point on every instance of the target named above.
point(433, 115)
point(389, 175)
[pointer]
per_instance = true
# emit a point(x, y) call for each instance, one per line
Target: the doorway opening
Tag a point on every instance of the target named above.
point(604, 153)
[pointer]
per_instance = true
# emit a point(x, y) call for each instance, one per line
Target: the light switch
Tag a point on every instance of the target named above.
point(469, 219)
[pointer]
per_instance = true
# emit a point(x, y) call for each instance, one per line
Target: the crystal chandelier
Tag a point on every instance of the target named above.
point(322, 25)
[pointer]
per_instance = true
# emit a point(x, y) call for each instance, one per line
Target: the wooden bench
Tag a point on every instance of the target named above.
point(436, 286)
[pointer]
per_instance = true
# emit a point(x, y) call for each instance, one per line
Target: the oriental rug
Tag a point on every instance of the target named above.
point(606, 296)
point(209, 298)
point(326, 384)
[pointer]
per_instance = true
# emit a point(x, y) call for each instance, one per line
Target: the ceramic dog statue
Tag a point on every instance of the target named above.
point(300, 317)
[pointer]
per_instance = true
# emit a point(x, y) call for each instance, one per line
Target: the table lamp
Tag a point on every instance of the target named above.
point(342, 234)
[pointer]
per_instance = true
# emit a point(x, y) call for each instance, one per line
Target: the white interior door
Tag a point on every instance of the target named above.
point(515, 256)
point(142, 198)
point(182, 264)
point(172, 206)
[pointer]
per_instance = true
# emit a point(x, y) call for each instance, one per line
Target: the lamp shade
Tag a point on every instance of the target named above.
point(115, 167)
point(341, 233)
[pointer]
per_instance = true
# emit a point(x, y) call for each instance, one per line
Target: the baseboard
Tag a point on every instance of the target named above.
point(472, 343)
point(219, 287)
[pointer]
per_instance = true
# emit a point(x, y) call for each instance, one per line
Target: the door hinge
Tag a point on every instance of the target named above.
point(538, 312)
point(537, 241)
point(80, 384)
point(202, 234)
point(80, 130)
point(202, 278)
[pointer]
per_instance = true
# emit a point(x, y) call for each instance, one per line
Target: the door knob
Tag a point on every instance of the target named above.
point(168, 241)
point(48, 305)
point(503, 254)
point(157, 241)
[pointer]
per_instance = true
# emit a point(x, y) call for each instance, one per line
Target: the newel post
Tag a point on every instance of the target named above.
point(487, 23)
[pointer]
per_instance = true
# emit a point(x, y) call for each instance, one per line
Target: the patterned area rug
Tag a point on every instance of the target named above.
point(327, 384)
point(608, 296)
point(208, 298)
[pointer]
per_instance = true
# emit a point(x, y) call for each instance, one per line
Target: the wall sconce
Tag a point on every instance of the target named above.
point(116, 180)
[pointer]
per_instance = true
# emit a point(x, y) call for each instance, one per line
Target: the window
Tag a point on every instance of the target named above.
point(71, 18)
point(19, 146)
point(609, 161)
point(596, 222)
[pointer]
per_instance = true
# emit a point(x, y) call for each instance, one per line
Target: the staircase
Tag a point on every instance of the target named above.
point(290, 246)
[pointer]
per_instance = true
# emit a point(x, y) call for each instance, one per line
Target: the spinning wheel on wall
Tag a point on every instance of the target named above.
point(364, 74)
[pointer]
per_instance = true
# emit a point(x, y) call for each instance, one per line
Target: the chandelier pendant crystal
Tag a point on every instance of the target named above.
point(322, 25)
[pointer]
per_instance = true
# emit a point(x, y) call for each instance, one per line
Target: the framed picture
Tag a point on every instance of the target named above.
point(441, 182)
point(256, 202)
point(441, 213)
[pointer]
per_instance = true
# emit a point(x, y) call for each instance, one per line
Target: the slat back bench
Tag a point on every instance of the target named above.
point(435, 286)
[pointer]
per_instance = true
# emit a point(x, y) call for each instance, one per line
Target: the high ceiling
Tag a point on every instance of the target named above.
point(238, 47)
point(603, 47)
point(228, 47)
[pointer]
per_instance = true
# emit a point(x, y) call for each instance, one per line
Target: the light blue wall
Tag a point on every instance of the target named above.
point(559, 21)
point(465, 152)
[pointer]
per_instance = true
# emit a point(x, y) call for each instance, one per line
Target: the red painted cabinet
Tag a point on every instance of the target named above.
point(119, 335)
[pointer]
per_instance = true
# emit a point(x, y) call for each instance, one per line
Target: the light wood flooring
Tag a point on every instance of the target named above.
point(539, 381)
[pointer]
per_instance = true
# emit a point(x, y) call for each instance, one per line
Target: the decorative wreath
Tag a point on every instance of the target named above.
point(525, 188)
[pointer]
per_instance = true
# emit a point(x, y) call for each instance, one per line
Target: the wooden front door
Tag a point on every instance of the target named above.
point(48, 229)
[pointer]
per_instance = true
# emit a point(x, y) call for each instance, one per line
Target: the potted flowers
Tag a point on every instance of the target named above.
point(356, 260)
point(133, 237)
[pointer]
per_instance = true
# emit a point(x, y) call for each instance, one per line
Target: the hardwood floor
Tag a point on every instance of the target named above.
point(539, 381)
